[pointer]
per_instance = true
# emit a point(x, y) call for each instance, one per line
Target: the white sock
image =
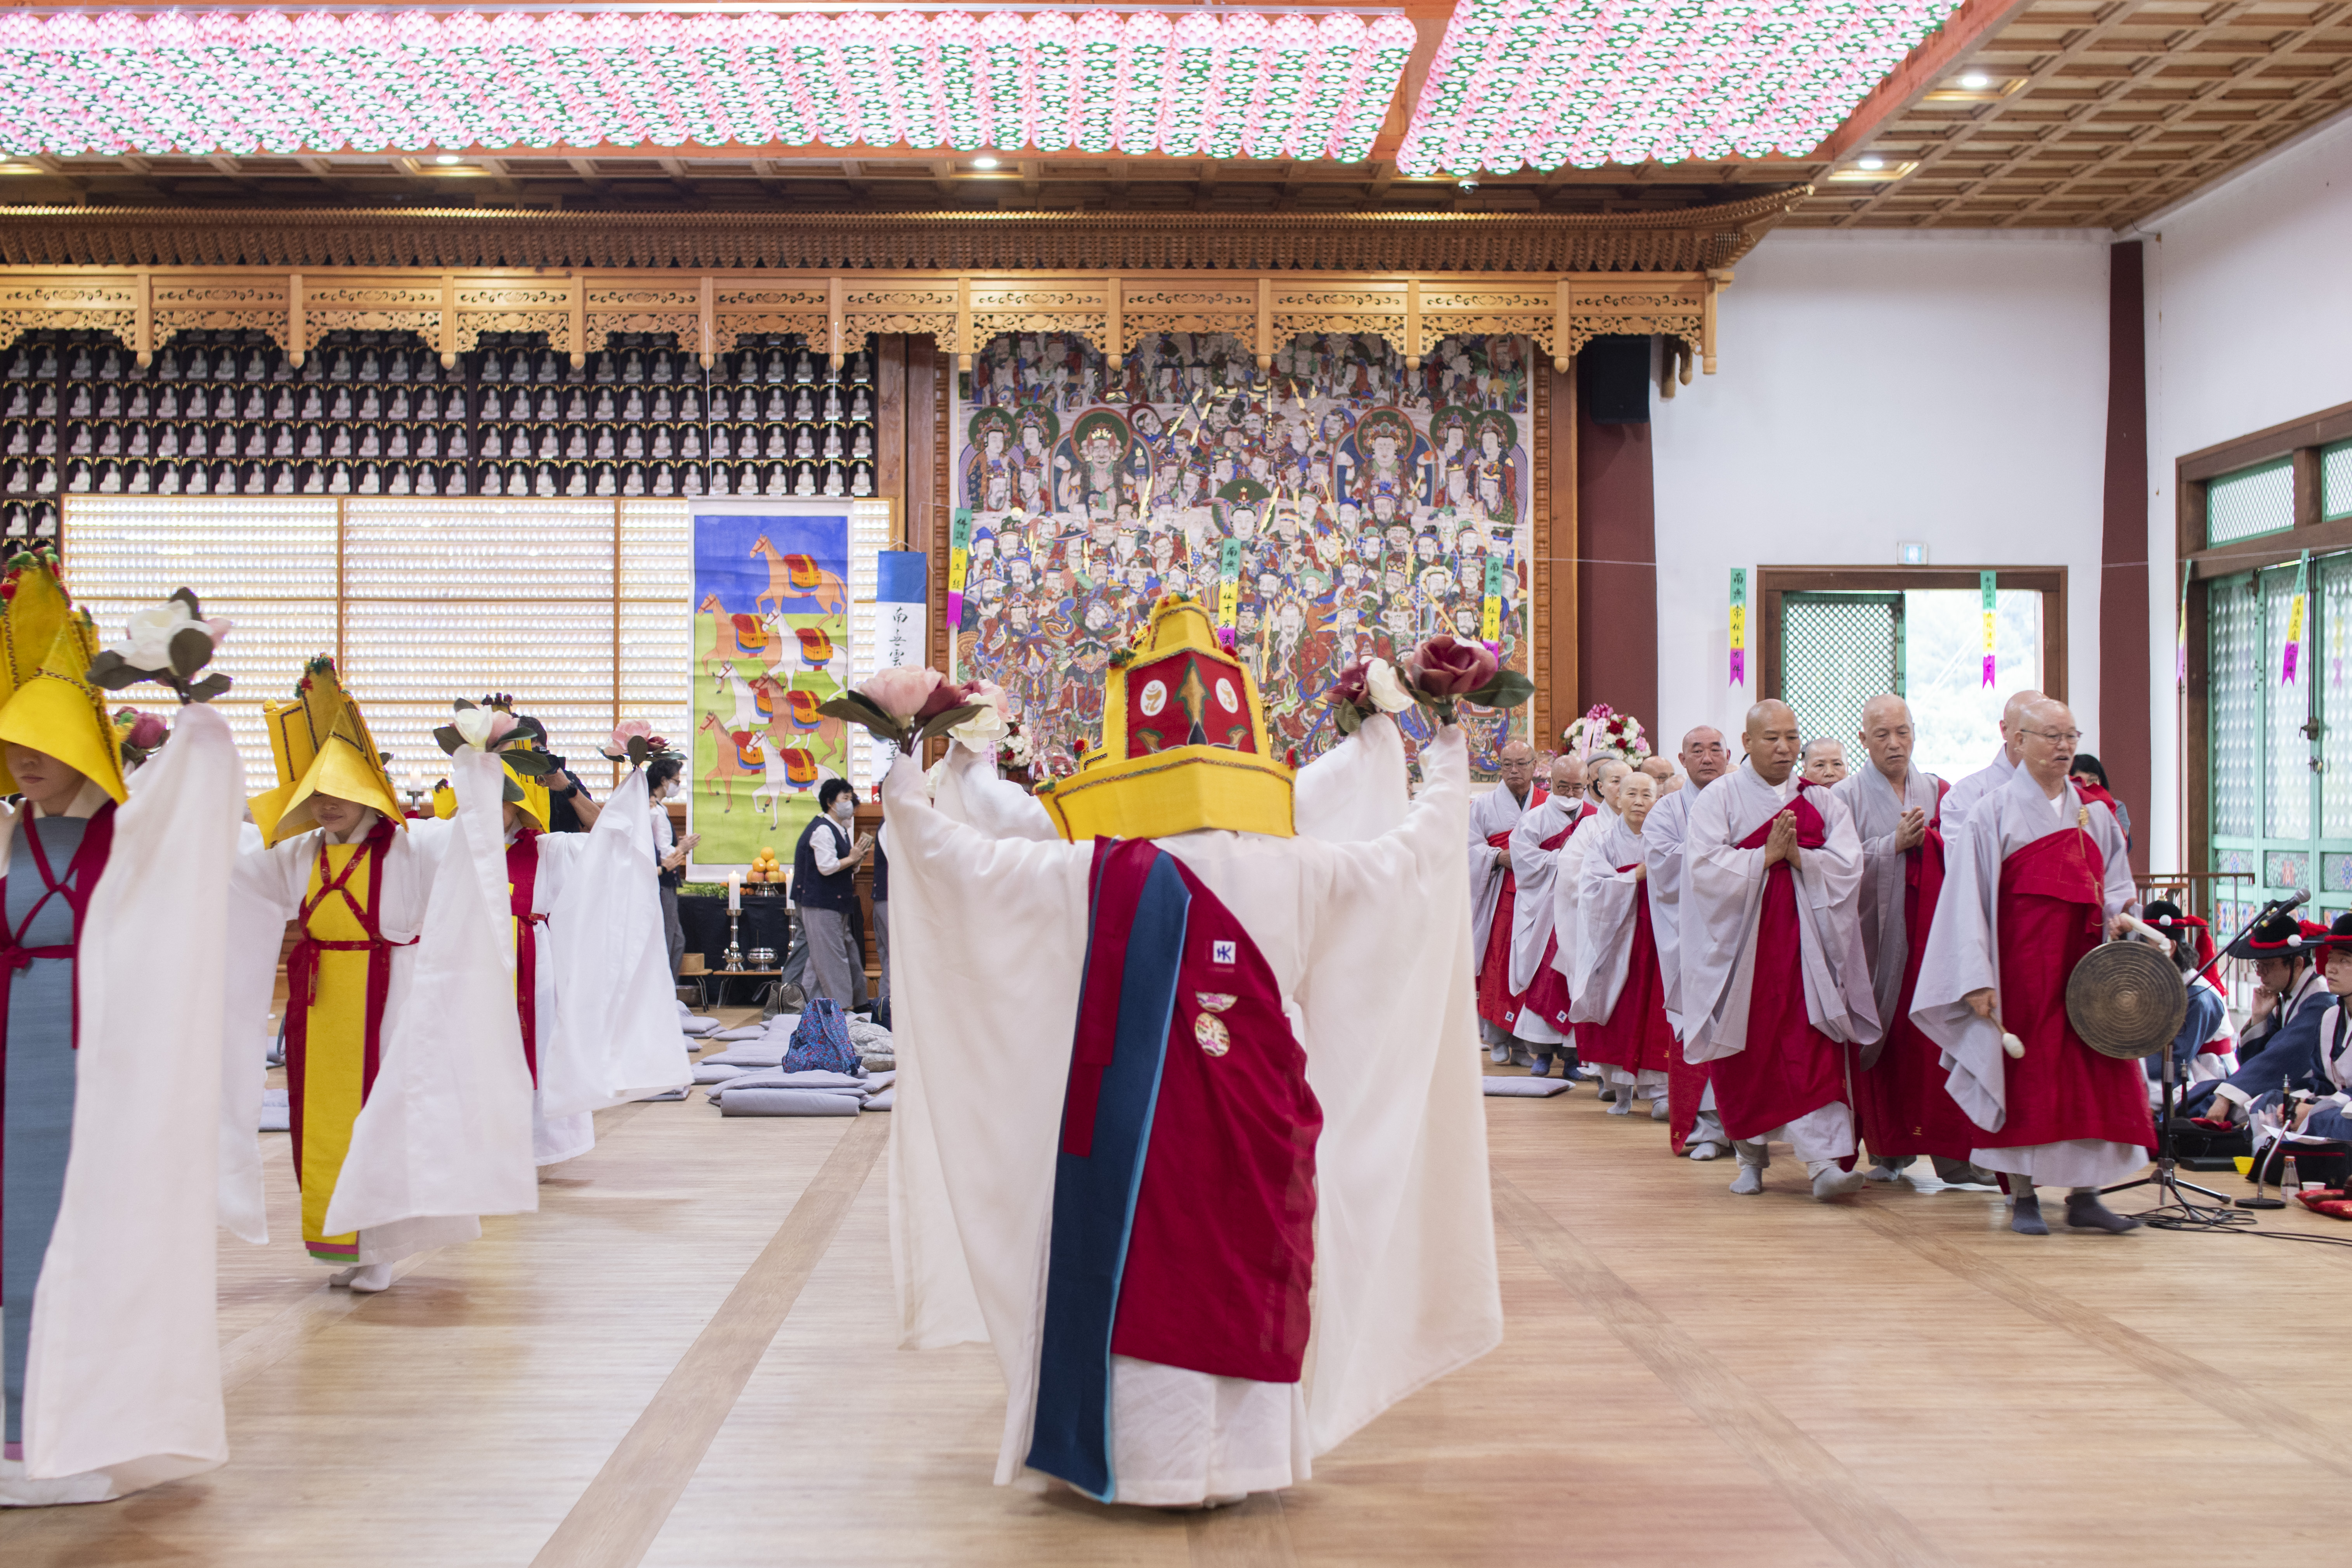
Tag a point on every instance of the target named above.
point(373, 1277)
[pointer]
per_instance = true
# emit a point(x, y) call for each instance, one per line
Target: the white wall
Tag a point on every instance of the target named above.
point(2249, 325)
point(1945, 386)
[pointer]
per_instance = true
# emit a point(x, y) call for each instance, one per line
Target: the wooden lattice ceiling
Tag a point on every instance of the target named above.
point(2093, 113)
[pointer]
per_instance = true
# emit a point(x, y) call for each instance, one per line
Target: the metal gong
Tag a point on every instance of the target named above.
point(2127, 1000)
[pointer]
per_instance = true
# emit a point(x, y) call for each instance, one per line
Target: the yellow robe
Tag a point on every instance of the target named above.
point(334, 1071)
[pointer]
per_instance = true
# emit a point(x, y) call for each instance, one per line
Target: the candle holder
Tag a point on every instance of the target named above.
point(734, 946)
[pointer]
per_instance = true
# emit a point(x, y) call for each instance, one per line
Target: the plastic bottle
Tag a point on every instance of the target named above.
point(2290, 1183)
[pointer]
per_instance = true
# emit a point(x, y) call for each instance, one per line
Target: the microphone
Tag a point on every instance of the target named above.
point(2296, 902)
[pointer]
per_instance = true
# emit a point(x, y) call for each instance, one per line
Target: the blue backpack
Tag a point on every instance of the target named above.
point(820, 1041)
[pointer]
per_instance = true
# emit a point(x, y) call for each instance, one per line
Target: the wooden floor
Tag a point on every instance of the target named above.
point(686, 1359)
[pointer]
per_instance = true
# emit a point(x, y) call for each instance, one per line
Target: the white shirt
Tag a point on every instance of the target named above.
point(830, 851)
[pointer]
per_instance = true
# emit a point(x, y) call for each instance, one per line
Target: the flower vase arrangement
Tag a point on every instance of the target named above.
point(169, 643)
point(1605, 733)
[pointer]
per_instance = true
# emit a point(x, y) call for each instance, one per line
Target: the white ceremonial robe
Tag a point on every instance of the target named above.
point(1605, 897)
point(1963, 956)
point(607, 1006)
point(990, 933)
point(1532, 928)
point(445, 1134)
point(1975, 788)
point(1722, 898)
point(1566, 881)
point(1662, 852)
point(1496, 811)
point(123, 1375)
point(1878, 821)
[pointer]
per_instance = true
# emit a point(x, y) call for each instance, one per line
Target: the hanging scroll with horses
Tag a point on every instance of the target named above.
point(1367, 506)
point(770, 644)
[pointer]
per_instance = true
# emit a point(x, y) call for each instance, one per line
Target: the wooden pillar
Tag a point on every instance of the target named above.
point(1617, 572)
point(2122, 741)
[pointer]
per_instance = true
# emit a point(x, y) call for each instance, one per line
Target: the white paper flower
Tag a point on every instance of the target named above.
point(148, 645)
point(983, 730)
point(474, 725)
point(1387, 693)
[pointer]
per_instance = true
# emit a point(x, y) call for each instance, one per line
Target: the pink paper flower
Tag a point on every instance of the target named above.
point(902, 693)
point(1443, 668)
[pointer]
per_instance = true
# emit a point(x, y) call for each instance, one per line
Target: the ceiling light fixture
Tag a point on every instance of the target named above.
point(1221, 84)
point(1871, 160)
point(445, 159)
point(1976, 81)
point(984, 161)
point(1588, 82)
point(1465, 183)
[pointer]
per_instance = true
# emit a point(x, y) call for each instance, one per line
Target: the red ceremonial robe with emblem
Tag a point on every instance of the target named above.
point(1789, 1067)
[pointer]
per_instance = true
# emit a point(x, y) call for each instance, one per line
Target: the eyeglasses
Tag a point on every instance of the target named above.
point(1573, 792)
point(2063, 737)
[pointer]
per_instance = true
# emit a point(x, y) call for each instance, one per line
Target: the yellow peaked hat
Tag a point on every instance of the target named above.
point(56, 710)
point(1184, 743)
point(321, 743)
point(527, 792)
point(35, 611)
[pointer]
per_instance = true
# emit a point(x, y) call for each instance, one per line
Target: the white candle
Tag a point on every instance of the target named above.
point(734, 893)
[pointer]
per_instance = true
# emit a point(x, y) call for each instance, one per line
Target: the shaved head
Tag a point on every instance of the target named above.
point(1568, 777)
point(1771, 740)
point(1887, 735)
point(2012, 712)
point(1824, 760)
point(1601, 776)
point(1517, 762)
point(1636, 793)
point(1703, 755)
point(2045, 733)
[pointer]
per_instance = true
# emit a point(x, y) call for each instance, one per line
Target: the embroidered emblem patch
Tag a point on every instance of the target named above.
point(1223, 953)
point(1211, 1032)
point(1213, 1001)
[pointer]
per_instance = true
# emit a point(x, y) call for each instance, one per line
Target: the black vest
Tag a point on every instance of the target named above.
point(811, 891)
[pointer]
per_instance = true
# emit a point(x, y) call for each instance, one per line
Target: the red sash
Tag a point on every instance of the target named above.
point(1635, 1037)
point(81, 876)
point(1788, 1067)
point(2050, 912)
point(523, 882)
point(1546, 993)
point(1496, 1002)
point(302, 967)
point(1900, 1099)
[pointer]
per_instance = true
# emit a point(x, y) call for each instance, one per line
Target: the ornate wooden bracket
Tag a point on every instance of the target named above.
point(578, 311)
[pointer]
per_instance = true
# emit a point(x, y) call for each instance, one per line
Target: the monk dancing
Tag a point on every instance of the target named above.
point(1900, 1095)
point(1774, 986)
point(2035, 882)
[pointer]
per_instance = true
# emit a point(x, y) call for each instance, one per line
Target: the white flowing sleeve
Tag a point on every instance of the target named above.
point(988, 941)
point(1605, 916)
point(1358, 789)
point(971, 791)
point(265, 891)
point(1960, 959)
point(615, 1034)
point(1406, 1287)
point(446, 1130)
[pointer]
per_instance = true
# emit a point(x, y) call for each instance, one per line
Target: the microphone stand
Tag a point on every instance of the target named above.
point(2177, 1212)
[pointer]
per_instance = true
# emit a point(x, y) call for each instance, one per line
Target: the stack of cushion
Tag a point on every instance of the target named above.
point(772, 1091)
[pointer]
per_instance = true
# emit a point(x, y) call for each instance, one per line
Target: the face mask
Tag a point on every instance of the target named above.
point(845, 808)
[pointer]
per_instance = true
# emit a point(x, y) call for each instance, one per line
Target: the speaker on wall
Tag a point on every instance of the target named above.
point(1614, 373)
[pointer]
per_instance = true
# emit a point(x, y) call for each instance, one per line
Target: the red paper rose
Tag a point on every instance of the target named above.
point(1349, 688)
point(1444, 668)
point(944, 696)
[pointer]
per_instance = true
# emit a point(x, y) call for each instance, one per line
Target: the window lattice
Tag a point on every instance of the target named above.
point(2250, 502)
point(2332, 590)
point(2336, 479)
point(2287, 707)
point(2233, 627)
point(1837, 652)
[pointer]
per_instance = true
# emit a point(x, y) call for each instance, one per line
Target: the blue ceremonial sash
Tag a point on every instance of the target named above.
point(1095, 1186)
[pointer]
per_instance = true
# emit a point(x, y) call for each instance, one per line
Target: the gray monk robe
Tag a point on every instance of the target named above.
point(1974, 787)
point(53, 863)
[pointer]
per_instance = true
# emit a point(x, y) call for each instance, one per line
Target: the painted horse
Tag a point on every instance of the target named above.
point(791, 771)
point(799, 578)
point(738, 755)
point(738, 635)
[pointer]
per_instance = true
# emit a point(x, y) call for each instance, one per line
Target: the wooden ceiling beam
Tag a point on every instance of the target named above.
point(1974, 22)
